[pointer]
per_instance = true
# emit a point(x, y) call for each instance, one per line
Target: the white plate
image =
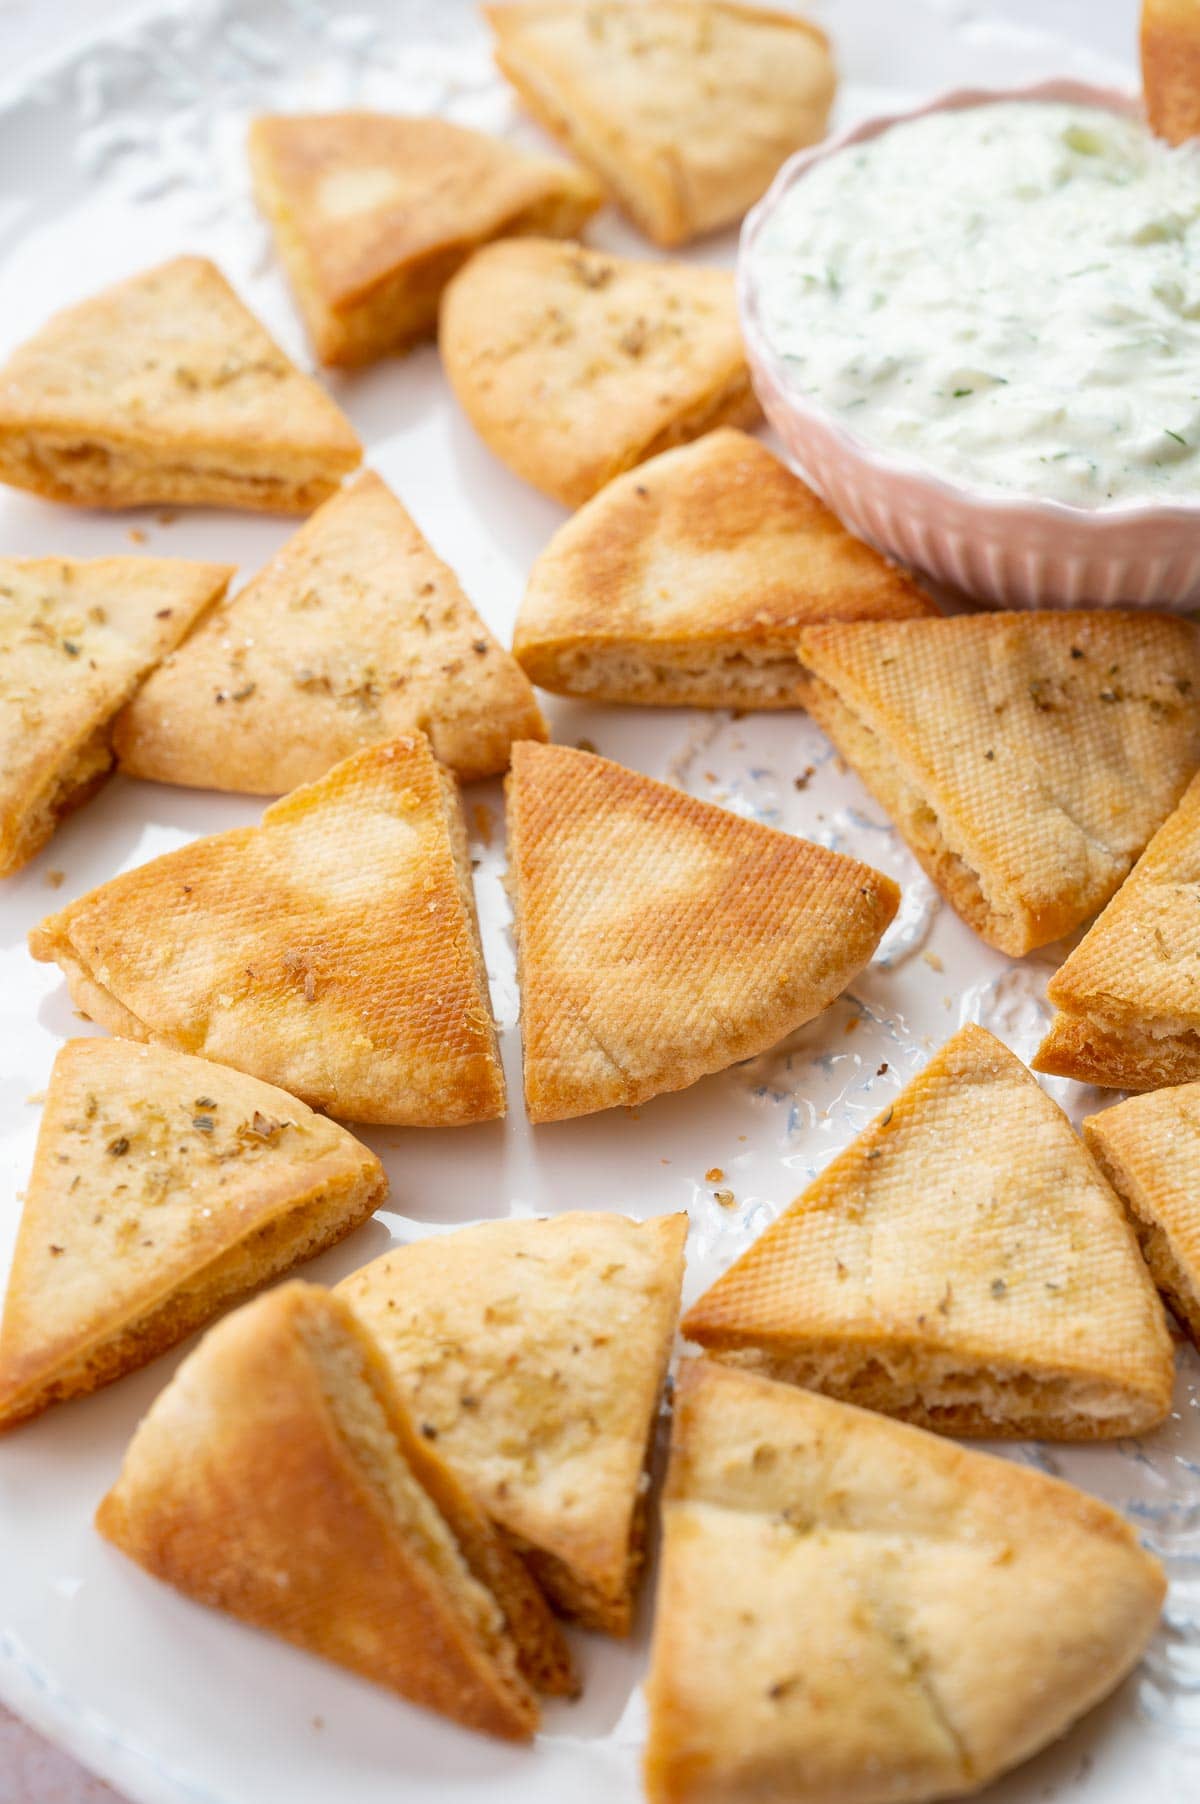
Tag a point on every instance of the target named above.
point(112, 160)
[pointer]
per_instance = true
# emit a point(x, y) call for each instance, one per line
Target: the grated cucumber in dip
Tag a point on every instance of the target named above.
point(1008, 294)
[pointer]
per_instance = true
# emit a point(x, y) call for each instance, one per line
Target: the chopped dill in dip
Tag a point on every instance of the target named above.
point(1008, 294)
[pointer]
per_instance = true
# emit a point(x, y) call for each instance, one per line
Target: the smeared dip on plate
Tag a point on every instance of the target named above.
point(1007, 293)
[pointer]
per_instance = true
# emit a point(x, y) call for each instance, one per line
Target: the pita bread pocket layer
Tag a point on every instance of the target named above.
point(573, 365)
point(1170, 38)
point(354, 633)
point(684, 108)
point(163, 388)
point(533, 1354)
point(660, 938)
point(1149, 1150)
point(1129, 994)
point(374, 213)
point(164, 1188)
point(1026, 758)
point(853, 1610)
point(332, 950)
point(685, 583)
point(76, 638)
point(279, 1478)
point(962, 1265)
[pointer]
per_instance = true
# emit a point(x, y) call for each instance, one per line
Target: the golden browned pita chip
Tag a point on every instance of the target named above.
point(853, 1612)
point(1026, 758)
point(332, 950)
point(374, 213)
point(684, 108)
point(1129, 994)
point(962, 1265)
point(166, 388)
point(76, 638)
point(354, 633)
point(1170, 38)
point(164, 1188)
point(573, 365)
point(661, 938)
point(1148, 1148)
point(278, 1478)
point(533, 1354)
point(685, 583)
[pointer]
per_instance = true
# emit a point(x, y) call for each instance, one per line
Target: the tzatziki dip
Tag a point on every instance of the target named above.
point(1007, 294)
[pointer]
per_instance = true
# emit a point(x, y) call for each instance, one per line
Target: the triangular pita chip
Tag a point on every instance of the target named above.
point(76, 638)
point(533, 1354)
point(573, 365)
point(354, 633)
point(1129, 994)
point(1026, 758)
point(685, 583)
point(1149, 1150)
point(684, 108)
point(279, 1478)
point(163, 1189)
point(852, 1610)
point(660, 938)
point(961, 1265)
point(166, 388)
point(374, 213)
point(1170, 38)
point(332, 950)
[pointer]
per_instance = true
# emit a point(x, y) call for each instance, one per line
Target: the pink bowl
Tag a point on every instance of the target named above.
point(1013, 550)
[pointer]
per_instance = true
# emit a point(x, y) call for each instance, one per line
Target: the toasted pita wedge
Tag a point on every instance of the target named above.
point(1129, 994)
point(852, 1610)
point(661, 938)
point(1026, 758)
point(533, 1354)
point(1149, 1150)
point(989, 1294)
point(76, 638)
point(164, 1189)
point(373, 214)
point(684, 583)
point(166, 388)
point(573, 365)
point(684, 108)
point(278, 1477)
point(332, 950)
point(1171, 67)
point(354, 633)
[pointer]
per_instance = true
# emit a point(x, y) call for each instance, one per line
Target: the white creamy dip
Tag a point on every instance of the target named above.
point(1009, 294)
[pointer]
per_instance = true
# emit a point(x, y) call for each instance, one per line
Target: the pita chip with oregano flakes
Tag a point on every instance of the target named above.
point(1026, 758)
point(332, 950)
point(354, 633)
point(166, 388)
point(1170, 47)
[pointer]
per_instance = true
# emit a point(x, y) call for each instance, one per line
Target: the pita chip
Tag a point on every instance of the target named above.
point(1026, 758)
point(374, 213)
point(355, 632)
point(77, 636)
point(279, 1478)
point(332, 950)
point(660, 938)
point(986, 1294)
point(685, 583)
point(684, 108)
point(852, 1609)
point(533, 1355)
point(166, 388)
point(1170, 42)
point(1128, 996)
point(573, 365)
point(164, 1188)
